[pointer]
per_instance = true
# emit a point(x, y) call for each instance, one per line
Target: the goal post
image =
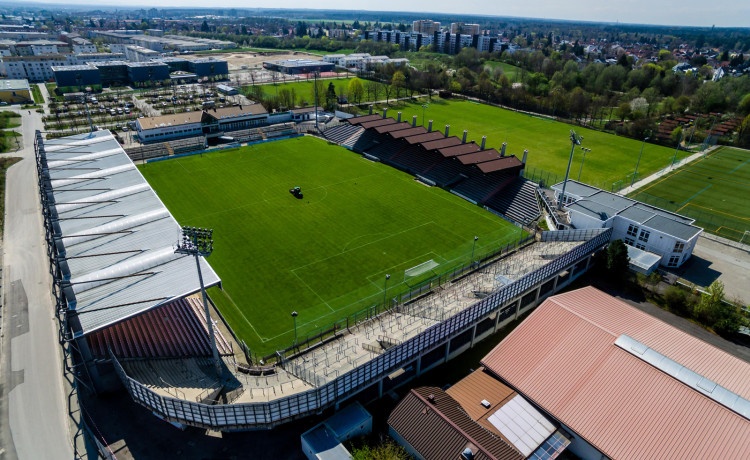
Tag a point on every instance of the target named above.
point(745, 237)
point(417, 272)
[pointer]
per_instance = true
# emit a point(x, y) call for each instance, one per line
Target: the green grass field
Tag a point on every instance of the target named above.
point(713, 190)
point(324, 256)
point(611, 161)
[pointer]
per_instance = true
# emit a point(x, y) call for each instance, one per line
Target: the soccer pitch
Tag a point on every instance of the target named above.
point(326, 255)
point(714, 190)
point(611, 161)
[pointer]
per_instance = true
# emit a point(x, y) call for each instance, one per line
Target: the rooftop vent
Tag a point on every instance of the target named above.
point(485, 403)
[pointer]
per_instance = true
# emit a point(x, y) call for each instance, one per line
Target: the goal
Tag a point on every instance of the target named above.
point(417, 271)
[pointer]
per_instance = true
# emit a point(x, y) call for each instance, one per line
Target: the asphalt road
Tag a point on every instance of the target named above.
point(34, 421)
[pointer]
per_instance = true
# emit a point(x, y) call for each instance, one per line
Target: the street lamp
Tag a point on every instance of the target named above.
point(199, 242)
point(424, 106)
point(474, 245)
point(385, 287)
point(575, 139)
point(585, 151)
point(635, 173)
point(294, 316)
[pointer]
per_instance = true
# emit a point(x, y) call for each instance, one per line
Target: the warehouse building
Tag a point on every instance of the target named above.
point(15, 91)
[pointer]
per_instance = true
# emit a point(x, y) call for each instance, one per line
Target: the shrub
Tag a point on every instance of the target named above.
point(678, 301)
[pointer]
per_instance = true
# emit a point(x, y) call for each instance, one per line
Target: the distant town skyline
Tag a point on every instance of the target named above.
point(720, 13)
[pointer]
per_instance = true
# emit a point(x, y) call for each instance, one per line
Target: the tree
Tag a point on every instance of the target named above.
point(398, 81)
point(713, 311)
point(330, 97)
point(204, 26)
point(387, 450)
point(356, 90)
point(618, 261)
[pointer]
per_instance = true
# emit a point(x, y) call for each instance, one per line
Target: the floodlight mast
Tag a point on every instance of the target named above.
point(575, 140)
point(198, 242)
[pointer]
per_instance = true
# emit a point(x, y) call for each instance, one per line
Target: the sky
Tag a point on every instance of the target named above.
point(721, 13)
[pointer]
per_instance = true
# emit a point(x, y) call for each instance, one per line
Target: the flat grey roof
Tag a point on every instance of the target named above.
point(114, 236)
point(14, 85)
point(672, 227)
point(576, 188)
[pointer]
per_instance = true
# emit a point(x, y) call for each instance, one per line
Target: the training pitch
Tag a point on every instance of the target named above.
point(714, 190)
point(325, 255)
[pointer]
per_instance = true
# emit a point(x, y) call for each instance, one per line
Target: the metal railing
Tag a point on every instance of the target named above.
point(324, 394)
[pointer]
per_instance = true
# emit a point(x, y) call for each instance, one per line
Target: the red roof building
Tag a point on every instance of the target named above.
point(626, 384)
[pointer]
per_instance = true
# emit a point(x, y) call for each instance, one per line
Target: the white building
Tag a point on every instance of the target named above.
point(32, 68)
point(136, 53)
point(669, 236)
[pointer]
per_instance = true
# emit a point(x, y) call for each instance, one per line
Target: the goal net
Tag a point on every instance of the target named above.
point(417, 272)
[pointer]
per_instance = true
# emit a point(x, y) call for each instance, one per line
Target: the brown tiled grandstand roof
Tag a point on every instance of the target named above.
point(378, 122)
point(441, 143)
point(393, 126)
point(426, 137)
point(461, 149)
point(407, 132)
point(500, 164)
point(363, 119)
point(479, 157)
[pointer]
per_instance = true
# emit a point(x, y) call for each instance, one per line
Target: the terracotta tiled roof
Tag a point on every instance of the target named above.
point(435, 425)
point(563, 357)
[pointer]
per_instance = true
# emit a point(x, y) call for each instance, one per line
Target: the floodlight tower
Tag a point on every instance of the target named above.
point(198, 242)
point(575, 140)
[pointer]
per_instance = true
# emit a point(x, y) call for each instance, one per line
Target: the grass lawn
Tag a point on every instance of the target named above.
point(326, 255)
point(611, 161)
point(9, 119)
point(36, 93)
point(5, 163)
point(512, 72)
point(713, 190)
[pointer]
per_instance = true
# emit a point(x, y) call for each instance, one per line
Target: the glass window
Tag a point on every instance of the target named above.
point(673, 261)
point(632, 230)
point(629, 241)
point(641, 246)
point(644, 236)
point(679, 247)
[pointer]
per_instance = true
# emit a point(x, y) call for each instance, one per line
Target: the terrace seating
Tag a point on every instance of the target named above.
point(187, 145)
point(445, 172)
point(279, 130)
point(479, 185)
point(386, 149)
point(517, 201)
point(173, 330)
point(366, 141)
point(145, 152)
point(247, 135)
point(341, 133)
point(414, 160)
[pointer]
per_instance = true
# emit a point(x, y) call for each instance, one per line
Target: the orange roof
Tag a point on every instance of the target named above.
point(564, 359)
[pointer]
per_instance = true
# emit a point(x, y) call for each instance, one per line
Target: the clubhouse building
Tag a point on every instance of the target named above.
point(654, 236)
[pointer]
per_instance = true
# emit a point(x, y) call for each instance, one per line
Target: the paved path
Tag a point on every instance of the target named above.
point(34, 409)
